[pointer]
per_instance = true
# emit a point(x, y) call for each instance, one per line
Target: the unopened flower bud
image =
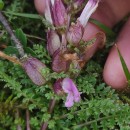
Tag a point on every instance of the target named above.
point(33, 67)
point(57, 87)
point(60, 17)
point(75, 33)
point(53, 42)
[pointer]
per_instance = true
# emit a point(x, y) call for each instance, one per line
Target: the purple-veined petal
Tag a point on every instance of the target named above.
point(33, 68)
point(48, 15)
point(75, 33)
point(53, 41)
point(87, 11)
point(69, 100)
point(59, 13)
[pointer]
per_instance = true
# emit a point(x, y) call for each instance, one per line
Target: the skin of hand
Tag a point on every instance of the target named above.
point(109, 13)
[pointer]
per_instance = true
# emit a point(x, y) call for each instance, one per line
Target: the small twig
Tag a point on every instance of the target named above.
point(28, 120)
point(90, 122)
point(12, 59)
point(11, 33)
point(50, 110)
point(17, 116)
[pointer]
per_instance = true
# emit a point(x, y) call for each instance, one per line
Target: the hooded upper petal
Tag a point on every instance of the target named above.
point(48, 15)
point(59, 13)
point(87, 11)
point(70, 88)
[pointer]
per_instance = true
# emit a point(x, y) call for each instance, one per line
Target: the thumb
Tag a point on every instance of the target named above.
point(108, 15)
point(40, 6)
point(113, 72)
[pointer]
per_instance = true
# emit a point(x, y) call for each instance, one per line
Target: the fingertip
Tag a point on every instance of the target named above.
point(40, 6)
point(90, 30)
point(113, 73)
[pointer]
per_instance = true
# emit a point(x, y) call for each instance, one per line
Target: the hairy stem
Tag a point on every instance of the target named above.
point(17, 116)
point(90, 122)
point(27, 120)
point(12, 59)
point(50, 110)
point(11, 33)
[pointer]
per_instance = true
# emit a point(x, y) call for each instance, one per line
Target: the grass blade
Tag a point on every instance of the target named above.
point(32, 16)
point(106, 29)
point(125, 68)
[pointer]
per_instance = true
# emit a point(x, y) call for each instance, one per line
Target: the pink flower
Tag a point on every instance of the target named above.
point(88, 11)
point(73, 94)
point(66, 85)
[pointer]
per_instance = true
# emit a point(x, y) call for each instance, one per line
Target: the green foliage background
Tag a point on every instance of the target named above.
point(101, 107)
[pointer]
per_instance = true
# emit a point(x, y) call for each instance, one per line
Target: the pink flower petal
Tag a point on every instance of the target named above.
point(70, 100)
point(67, 85)
point(88, 11)
point(59, 13)
point(48, 12)
point(70, 88)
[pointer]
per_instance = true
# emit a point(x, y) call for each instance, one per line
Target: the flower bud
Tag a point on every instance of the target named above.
point(53, 42)
point(59, 64)
point(33, 68)
point(60, 17)
point(75, 33)
point(57, 87)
